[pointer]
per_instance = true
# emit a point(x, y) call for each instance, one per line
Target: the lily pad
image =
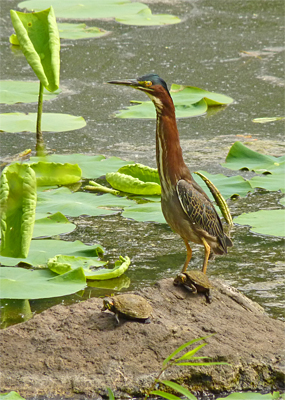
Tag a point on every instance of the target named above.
point(145, 17)
point(42, 250)
point(264, 222)
point(135, 179)
point(62, 264)
point(12, 92)
point(51, 174)
point(86, 9)
point(92, 167)
point(228, 186)
point(147, 212)
point(241, 157)
point(20, 283)
point(79, 203)
point(189, 101)
point(79, 31)
point(51, 225)
point(51, 122)
point(272, 182)
point(11, 396)
point(252, 396)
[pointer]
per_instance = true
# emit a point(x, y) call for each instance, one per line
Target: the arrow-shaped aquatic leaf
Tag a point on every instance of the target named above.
point(18, 197)
point(38, 37)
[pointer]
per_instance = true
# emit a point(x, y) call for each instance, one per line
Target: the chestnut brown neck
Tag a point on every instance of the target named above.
point(170, 163)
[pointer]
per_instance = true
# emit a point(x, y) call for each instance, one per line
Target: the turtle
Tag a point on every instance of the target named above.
point(128, 306)
point(196, 281)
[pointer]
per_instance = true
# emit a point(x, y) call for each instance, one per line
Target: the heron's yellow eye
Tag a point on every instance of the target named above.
point(148, 83)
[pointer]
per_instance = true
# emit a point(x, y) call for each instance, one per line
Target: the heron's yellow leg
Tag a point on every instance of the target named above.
point(188, 257)
point(207, 253)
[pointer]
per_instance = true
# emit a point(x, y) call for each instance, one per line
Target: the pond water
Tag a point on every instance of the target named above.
point(230, 47)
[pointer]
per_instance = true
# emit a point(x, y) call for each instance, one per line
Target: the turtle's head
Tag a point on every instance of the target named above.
point(108, 304)
point(180, 279)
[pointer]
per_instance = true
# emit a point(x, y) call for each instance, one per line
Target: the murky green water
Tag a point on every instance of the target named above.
point(231, 47)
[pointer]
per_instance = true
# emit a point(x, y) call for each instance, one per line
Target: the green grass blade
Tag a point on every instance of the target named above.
point(190, 353)
point(185, 392)
point(183, 347)
point(165, 395)
point(201, 363)
point(111, 394)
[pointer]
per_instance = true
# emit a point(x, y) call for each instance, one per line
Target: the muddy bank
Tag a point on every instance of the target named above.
point(80, 350)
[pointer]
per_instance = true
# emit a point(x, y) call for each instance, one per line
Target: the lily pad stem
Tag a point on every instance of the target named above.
point(40, 147)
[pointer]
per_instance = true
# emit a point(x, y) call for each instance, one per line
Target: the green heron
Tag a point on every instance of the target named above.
point(185, 206)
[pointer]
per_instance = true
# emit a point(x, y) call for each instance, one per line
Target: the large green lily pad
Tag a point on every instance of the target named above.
point(20, 283)
point(252, 396)
point(79, 203)
point(62, 264)
point(86, 9)
point(272, 182)
point(145, 17)
point(12, 92)
point(227, 186)
point(146, 212)
point(51, 122)
point(241, 157)
point(264, 222)
point(42, 250)
point(79, 31)
point(52, 174)
point(92, 167)
point(189, 101)
point(51, 225)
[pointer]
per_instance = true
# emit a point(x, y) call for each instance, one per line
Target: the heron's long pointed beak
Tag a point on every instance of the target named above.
point(129, 82)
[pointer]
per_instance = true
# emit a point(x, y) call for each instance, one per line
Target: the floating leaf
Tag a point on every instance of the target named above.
point(20, 122)
point(136, 179)
point(189, 101)
point(18, 204)
point(228, 186)
point(251, 396)
point(79, 203)
point(37, 34)
point(11, 396)
point(52, 174)
point(79, 31)
point(20, 283)
point(12, 92)
point(273, 182)
point(42, 250)
point(147, 212)
point(61, 264)
point(146, 110)
point(120, 268)
point(241, 157)
point(264, 222)
point(266, 119)
point(145, 17)
point(86, 9)
point(50, 225)
point(92, 166)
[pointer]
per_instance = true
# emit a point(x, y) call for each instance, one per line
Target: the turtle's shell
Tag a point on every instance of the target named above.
point(194, 277)
point(197, 278)
point(131, 306)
